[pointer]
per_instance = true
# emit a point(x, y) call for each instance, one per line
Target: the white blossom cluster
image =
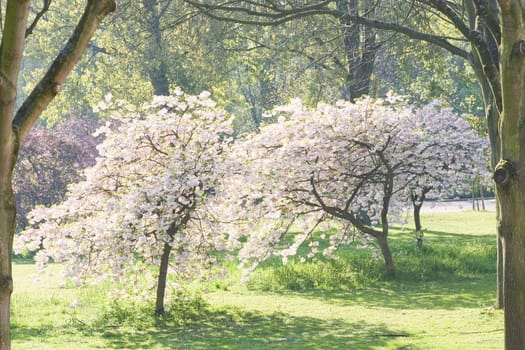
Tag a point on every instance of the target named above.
point(149, 187)
point(337, 162)
point(169, 174)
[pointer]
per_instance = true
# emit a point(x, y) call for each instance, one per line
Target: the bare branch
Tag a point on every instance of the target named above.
point(342, 214)
point(411, 33)
point(38, 16)
point(273, 11)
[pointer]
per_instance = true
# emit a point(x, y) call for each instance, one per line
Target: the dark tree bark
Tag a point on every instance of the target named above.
point(417, 215)
point(509, 174)
point(157, 68)
point(382, 240)
point(161, 281)
point(361, 50)
point(165, 258)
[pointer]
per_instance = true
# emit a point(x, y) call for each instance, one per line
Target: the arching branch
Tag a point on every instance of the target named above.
point(272, 14)
point(50, 85)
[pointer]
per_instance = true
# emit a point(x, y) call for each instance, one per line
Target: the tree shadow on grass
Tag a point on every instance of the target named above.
point(25, 332)
point(235, 329)
point(400, 232)
point(466, 293)
point(459, 236)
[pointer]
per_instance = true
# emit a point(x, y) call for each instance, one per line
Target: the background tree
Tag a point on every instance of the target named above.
point(133, 58)
point(465, 158)
point(49, 161)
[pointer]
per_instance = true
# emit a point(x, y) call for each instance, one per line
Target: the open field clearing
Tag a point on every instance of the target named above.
point(441, 299)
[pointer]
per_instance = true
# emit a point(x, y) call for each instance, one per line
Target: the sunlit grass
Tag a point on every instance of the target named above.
point(441, 299)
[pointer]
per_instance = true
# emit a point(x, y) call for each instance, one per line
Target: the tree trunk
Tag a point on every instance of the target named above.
point(11, 49)
point(482, 197)
point(15, 127)
point(492, 115)
point(417, 216)
point(509, 174)
point(361, 50)
point(499, 303)
point(513, 233)
point(157, 68)
point(382, 240)
point(483, 62)
point(417, 204)
point(161, 281)
point(511, 228)
point(7, 229)
point(417, 223)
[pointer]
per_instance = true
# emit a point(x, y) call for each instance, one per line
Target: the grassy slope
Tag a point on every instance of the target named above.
point(425, 308)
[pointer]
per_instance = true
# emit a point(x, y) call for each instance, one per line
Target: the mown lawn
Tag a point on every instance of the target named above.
point(441, 299)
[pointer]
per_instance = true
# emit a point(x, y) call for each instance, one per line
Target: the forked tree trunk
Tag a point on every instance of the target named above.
point(417, 204)
point(509, 174)
point(417, 215)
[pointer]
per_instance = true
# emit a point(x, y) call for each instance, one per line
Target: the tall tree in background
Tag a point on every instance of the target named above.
point(149, 47)
point(360, 48)
point(15, 125)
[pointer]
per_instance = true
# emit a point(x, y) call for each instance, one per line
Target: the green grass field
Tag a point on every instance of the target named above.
point(441, 299)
